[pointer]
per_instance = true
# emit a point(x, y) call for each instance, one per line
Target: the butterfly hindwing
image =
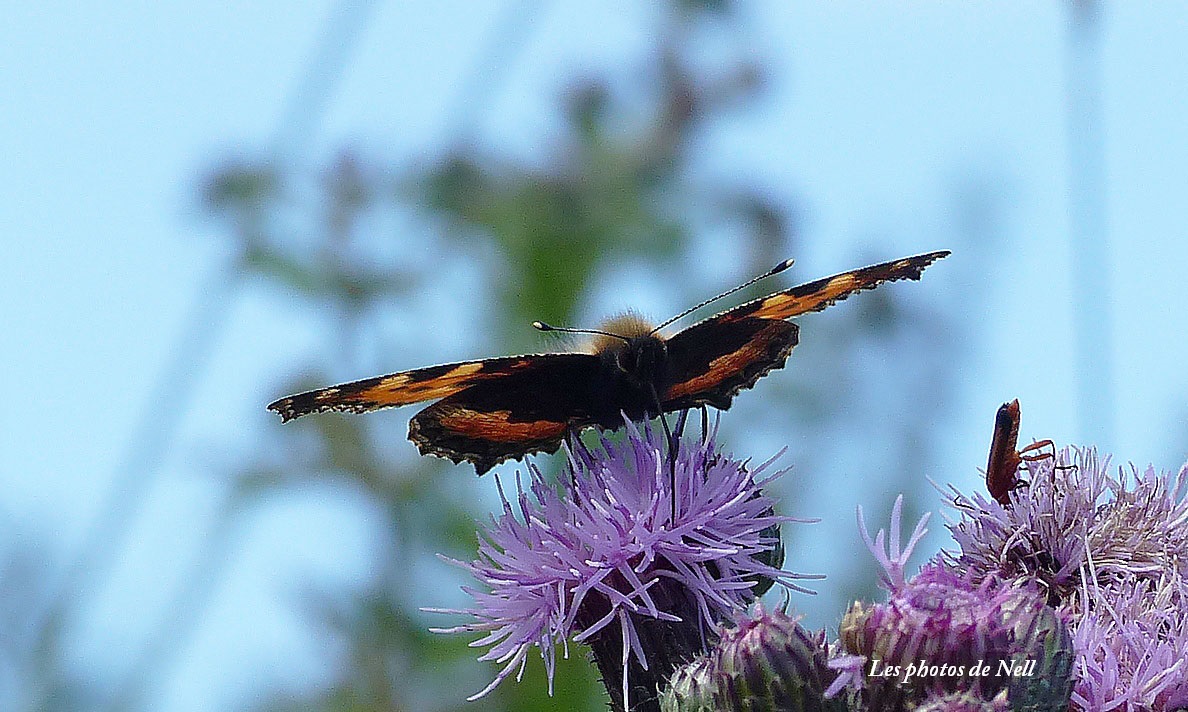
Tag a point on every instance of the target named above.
point(528, 410)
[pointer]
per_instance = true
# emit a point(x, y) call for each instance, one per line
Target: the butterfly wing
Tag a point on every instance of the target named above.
point(713, 360)
point(821, 293)
point(529, 409)
point(406, 387)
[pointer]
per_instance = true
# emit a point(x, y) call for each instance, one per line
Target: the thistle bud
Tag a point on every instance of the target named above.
point(767, 662)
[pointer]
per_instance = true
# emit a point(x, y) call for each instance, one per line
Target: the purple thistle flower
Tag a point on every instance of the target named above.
point(892, 559)
point(1074, 517)
point(938, 629)
point(600, 557)
point(1112, 552)
point(851, 668)
point(1132, 645)
point(851, 674)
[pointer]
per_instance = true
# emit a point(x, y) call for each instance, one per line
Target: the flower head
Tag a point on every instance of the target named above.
point(1132, 646)
point(1110, 550)
point(601, 557)
point(1076, 521)
point(939, 632)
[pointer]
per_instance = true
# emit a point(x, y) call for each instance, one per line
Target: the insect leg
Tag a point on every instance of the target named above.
point(580, 453)
point(1040, 450)
point(673, 447)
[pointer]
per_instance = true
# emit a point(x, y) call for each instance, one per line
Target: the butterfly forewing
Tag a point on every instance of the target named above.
point(528, 410)
point(714, 359)
point(711, 361)
point(818, 294)
point(406, 387)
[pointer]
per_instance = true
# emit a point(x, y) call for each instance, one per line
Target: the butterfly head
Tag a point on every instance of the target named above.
point(617, 332)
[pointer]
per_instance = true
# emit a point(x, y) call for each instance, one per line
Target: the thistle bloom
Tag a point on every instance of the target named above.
point(1075, 516)
point(1132, 646)
point(1111, 550)
point(943, 640)
point(600, 557)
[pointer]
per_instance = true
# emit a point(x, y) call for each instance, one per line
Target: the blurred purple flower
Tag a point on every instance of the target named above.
point(1132, 646)
point(887, 553)
point(600, 557)
point(1074, 514)
point(1111, 550)
point(936, 629)
point(851, 667)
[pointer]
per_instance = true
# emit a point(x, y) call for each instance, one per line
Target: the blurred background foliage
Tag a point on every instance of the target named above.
point(471, 243)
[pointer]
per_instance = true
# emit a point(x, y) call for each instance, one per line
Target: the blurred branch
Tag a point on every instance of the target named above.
point(323, 71)
point(152, 436)
point(175, 387)
point(182, 612)
point(474, 93)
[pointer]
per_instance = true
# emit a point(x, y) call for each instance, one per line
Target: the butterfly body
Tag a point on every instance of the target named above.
point(497, 409)
point(635, 365)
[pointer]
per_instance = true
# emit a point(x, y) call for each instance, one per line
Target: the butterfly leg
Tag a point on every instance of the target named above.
point(679, 431)
point(673, 448)
point(580, 453)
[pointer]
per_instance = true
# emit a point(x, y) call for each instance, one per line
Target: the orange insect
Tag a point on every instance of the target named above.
point(1002, 469)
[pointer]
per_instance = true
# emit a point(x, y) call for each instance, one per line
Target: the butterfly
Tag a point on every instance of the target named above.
point(505, 408)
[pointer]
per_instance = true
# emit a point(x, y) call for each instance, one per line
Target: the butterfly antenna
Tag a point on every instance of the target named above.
point(540, 325)
point(774, 270)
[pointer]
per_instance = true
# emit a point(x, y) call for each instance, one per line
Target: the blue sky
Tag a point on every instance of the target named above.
point(879, 115)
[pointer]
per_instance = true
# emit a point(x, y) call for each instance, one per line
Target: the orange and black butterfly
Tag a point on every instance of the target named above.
point(505, 408)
